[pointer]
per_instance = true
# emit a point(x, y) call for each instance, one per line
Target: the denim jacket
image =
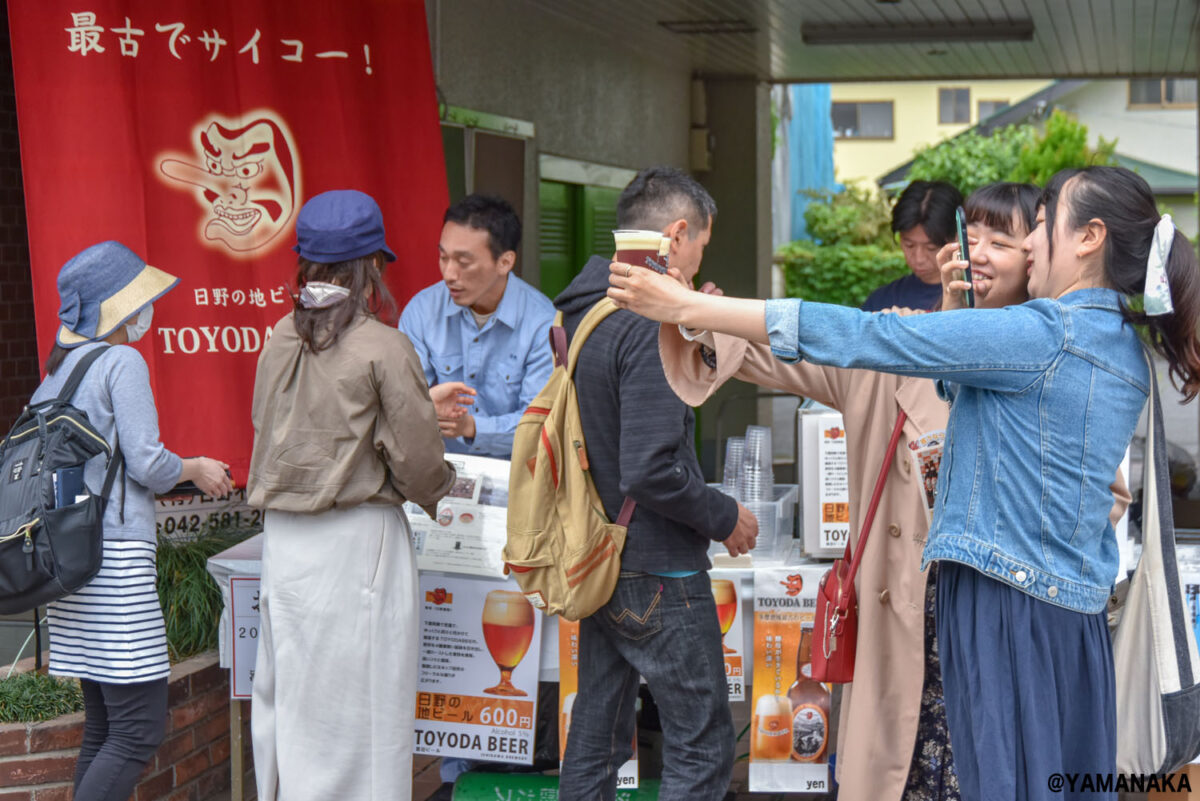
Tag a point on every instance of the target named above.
point(1044, 397)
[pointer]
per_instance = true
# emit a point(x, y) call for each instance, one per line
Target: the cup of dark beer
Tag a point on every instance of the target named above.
point(642, 249)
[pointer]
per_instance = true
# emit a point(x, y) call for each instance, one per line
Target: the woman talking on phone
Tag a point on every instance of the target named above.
point(1044, 400)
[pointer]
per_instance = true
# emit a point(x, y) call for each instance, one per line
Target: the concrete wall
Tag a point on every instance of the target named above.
point(738, 259)
point(914, 121)
point(1166, 137)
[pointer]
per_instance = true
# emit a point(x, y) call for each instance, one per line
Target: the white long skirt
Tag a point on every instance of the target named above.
point(336, 677)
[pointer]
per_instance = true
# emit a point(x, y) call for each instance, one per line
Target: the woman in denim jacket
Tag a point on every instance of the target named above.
point(1044, 400)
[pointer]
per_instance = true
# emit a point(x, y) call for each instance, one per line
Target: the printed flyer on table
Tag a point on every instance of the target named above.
point(477, 682)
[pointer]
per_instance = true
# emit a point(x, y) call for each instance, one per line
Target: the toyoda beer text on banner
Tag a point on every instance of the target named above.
point(480, 651)
point(790, 717)
point(193, 132)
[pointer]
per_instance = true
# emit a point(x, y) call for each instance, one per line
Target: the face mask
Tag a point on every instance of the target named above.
point(138, 327)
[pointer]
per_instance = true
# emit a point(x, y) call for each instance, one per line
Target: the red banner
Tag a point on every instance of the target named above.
point(193, 132)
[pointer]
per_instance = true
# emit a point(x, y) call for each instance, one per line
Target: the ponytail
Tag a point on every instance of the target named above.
point(1122, 200)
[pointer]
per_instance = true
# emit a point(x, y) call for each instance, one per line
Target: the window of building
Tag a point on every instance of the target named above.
point(989, 107)
point(1162, 93)
point(954, 106)
point(871, 120)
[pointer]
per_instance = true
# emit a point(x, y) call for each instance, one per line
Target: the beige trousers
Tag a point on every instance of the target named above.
point(336, 676)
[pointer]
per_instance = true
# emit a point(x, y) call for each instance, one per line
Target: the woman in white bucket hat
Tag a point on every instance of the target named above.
point(110, 634)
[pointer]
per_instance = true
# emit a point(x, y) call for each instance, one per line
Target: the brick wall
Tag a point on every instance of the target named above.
point(37, 760)
point(18, 346)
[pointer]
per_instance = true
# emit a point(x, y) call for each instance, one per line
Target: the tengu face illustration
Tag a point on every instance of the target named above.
point(247, 180)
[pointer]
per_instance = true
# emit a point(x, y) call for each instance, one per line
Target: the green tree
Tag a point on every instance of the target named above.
point(1014, 153)
point(1062, 145)
point(969, 161)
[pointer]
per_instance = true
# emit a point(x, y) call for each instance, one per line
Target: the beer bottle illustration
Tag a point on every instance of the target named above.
point(810, 706)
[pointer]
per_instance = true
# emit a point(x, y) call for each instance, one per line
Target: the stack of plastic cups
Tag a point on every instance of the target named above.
point(734, 455)
point(758, 490)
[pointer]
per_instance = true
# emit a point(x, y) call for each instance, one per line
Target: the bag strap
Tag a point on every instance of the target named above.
point(843, 602)
point(587, 325)
point(1158, 528)
point(568, 357)
point(76, 378)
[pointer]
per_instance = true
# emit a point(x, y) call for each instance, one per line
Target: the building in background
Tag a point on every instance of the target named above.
point(1152, 120)
point(879, 125)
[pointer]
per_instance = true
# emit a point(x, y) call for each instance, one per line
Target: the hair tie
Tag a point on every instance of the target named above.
point(320, 295)
point(1157, 298)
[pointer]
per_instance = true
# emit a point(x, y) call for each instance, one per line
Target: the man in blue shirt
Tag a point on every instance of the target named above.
point(482, 334)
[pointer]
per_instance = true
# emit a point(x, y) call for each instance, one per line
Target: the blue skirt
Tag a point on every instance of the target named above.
point(1029, 687)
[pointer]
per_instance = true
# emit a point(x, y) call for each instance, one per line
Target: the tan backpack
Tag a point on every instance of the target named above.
point(561, 549)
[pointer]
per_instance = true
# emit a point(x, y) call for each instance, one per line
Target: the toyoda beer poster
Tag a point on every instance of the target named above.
point(568, 691)
point(789, 724)
point(729, 615)
point(477, 682)
point(193, 132)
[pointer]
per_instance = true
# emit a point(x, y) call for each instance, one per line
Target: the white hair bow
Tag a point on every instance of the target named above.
point(1158, 291)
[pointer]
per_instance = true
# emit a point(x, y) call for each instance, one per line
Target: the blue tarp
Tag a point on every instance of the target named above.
point(810, 148)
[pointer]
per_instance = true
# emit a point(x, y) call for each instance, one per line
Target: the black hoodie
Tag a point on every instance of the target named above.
point(640, 437)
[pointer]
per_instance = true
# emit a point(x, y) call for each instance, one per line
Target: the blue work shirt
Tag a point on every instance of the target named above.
point(1044, 397)
point(507, 362)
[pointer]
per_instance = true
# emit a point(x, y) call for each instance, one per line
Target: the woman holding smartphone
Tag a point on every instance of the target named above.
point(1044, 399)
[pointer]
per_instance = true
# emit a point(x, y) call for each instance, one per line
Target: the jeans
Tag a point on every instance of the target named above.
point(666, 630)
point(123, 726)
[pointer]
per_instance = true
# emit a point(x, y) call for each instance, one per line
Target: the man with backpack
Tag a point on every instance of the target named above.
point(661, 622)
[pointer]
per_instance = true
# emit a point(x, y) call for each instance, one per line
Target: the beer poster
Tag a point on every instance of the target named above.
point(790, 720)
point(477, 680)
point(471, 525)
point(729, 615)
point(568, 687)
point(834, 482)
point(244, 612)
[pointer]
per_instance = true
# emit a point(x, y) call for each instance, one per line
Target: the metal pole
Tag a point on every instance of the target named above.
point(236, 770)
point(37, 640)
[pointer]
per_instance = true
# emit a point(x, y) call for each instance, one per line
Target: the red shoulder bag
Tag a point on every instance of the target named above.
point(835, 629)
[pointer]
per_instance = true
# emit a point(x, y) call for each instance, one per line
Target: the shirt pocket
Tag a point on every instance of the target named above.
point(449, 368)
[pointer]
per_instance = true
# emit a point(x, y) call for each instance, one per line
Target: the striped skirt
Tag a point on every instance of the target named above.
point(112, 630)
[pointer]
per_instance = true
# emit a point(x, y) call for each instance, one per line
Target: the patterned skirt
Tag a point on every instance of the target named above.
point(932, 777)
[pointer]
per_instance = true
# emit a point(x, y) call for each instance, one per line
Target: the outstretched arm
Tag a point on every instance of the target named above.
point(664, 299)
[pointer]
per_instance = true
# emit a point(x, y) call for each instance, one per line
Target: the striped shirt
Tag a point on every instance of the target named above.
point(112, 630)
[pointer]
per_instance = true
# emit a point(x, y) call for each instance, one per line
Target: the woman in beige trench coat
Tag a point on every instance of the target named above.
point(892, 740)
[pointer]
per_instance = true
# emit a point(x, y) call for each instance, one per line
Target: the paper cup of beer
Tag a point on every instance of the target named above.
point(771, 740)
point(642, 248)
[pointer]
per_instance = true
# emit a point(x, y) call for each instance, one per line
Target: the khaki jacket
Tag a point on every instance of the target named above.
point(352, 424)
point(878, 723)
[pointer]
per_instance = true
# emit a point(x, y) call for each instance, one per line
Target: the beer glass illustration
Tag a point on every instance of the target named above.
point(772, 729)
point(725, 594)
point(507, 631)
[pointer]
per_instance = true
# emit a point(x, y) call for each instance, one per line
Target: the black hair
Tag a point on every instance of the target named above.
point(929, 204)
point(58, 355)
point(489, 213)
point(658, 196)
point(994, 205)
point(1123, 201)
point(320, 328)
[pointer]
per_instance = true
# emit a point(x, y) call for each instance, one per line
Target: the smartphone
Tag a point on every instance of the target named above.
point(68, 486)
point(964, 254)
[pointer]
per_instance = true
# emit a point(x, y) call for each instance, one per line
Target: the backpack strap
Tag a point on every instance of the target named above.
point(76, 378)
point(587, 325)
point(558, 340)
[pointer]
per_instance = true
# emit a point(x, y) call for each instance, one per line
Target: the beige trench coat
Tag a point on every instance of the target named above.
point(878, 725)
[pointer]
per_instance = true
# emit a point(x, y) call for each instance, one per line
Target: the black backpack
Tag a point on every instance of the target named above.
point(47, 550)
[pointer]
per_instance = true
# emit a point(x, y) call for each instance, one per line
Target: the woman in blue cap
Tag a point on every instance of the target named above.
point(1044, 399)
point(110, 634)
point(344, 433)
